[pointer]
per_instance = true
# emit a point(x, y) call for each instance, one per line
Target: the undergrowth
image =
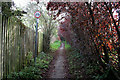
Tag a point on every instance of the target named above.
point(33, 71)
point(82, 67)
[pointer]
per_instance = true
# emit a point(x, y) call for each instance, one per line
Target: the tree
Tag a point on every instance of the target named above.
point(94, 26)
point(46, 23)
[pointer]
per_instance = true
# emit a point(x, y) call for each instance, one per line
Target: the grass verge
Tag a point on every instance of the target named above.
point(56, 45)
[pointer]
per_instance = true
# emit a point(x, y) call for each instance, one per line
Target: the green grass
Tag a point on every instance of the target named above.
point(67, 46)
point(56, 45)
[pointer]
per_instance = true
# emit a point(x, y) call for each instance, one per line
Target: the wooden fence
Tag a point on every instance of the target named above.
point(16, 41)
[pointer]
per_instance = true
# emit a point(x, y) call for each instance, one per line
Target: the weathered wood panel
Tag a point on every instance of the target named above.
point(0, 42)
point(40, 42)
point(16, 41)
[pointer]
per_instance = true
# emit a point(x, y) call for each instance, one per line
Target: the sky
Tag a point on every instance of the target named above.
point(21, 3)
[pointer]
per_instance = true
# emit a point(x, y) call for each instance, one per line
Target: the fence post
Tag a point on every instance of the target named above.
point(36, 40)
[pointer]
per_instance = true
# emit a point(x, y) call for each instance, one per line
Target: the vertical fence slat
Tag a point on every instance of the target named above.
point(8, 44)
point(4, 67)
point(2, 48)
point(0, 41)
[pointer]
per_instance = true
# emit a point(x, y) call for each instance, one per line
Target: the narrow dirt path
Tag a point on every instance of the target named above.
point(58, 68)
